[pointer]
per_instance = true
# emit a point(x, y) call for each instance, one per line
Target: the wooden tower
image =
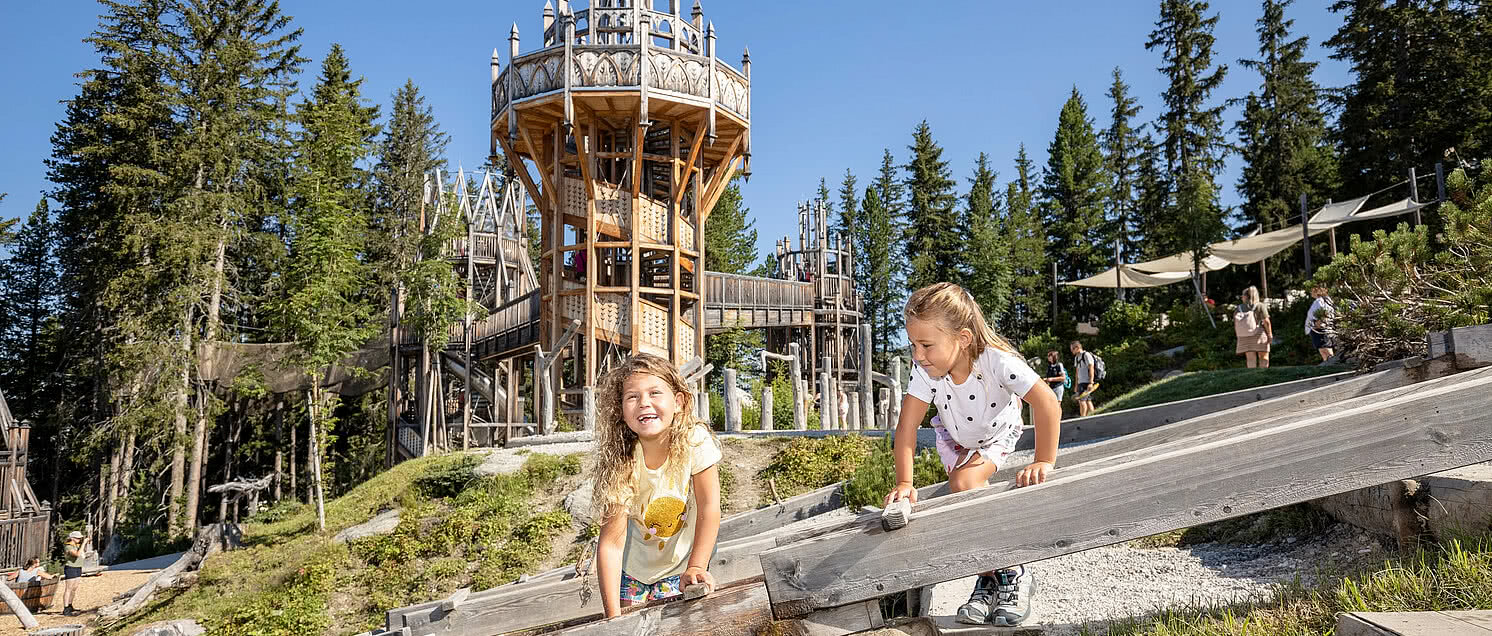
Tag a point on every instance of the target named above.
point(625, 129)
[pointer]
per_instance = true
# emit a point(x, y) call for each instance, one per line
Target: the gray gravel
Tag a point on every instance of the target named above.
point(505, 461)
point(1121, 581)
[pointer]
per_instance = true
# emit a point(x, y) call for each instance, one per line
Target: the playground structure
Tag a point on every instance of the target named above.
point(1147, 471)
point(25, 523)
point(634, 129)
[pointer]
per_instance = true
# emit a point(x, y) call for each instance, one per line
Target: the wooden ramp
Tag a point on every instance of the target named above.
point(1473, 623)
point(801, 574)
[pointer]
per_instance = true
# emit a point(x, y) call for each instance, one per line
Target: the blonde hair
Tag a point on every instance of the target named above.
point(952, 308)
point(613, 487)
point(1251, 296)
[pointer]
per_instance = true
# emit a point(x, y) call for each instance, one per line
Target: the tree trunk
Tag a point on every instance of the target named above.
point(314, 452)
point(109, 488)
point(294, 493)
point(199, 437)
point(126, 470)
point(279, 446)
point(228, 456)
point(179, 426)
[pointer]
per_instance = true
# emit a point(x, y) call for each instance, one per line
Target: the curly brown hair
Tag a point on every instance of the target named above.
point(613, 488)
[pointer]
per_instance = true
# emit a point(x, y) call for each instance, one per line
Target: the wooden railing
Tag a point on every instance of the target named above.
point(24, 538)
point(515, 314)
point(731, 290)
point(484, 247)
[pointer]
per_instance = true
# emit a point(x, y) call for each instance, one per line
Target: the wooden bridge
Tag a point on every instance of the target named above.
point(780, 568)
point(24, 521)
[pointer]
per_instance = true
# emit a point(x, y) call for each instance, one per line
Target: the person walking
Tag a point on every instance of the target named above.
point(1318, 322)
point(1252, 327)
point(1056, 374)
point(1084, 367)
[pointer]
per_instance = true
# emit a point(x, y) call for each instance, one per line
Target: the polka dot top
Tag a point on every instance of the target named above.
point(985, 410)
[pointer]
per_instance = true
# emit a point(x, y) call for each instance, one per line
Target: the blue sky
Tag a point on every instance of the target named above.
point(832, 82)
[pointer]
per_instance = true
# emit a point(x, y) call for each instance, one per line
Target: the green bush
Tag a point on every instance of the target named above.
point(1124, 321)
point(875, 476)
point(449, 479)
point(805, 464)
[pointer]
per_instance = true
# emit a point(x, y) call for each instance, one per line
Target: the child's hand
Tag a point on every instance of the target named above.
point(695, 574)
point(1033, 474)
point(902, 490)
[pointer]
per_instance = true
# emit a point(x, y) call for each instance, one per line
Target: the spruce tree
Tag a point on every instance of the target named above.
point(1191, 135)
point(322, 305)
point(986, 256)
point(412, 149)
point(885, 255)
point(730, 248)
point(1282, 134)
point(1423, 86)
point(1074, 190)
point(28, 289)
point(850, 223)
point(1122, 155)
point(931, 216)
point(1031, 278)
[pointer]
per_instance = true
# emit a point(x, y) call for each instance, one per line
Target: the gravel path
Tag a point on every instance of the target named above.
point(1121, 581)
point(504, 461)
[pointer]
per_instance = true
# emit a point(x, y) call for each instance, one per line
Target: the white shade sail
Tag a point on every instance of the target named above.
point(1129, 279)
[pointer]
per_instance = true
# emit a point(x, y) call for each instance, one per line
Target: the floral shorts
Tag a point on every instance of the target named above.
point(954, 455)
point(636, 591)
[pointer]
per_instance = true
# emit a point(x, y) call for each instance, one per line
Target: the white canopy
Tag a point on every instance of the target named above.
point(1403, 206)
point(1131, 279)
point(1252, 249)
point(1334, 214)
point(1179, 263)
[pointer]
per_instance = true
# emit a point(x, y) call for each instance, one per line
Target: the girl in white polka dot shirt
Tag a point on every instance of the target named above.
point(976, 380)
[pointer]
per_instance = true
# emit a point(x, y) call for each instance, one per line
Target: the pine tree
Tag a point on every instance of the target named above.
point(885, 255)
point(322, 307)
point(28, 289)
point(1191, 131)
point(931, 213)
point(849, 221)
point(412, 149)
point(986, 256)
point(1074, 189)
point(1122, 155)
point(1030, 276)
point(1423, 86)
point(1282, 134)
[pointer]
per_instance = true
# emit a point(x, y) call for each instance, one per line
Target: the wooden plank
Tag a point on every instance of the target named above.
point(740, 611)
point(1471, 346)
point(1415, 624)
point(1093, 427)
point(1445, 425)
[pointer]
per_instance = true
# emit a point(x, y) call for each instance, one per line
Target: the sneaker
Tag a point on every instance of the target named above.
point(69, 611)
point(977, 610)
point(1013, 596)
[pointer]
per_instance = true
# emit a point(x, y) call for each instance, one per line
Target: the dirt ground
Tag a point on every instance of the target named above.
point(93, 592)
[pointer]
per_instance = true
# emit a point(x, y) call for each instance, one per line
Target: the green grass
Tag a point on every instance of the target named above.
point(806, 463)
point(1300, 520)
point(1455, 575)
point(1204, 383)
point(455, 530)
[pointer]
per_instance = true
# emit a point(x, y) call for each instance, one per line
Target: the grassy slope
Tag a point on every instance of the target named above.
point(455, 531)
point(1203, 383)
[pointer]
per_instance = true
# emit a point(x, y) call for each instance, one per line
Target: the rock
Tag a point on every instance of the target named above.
point(183, 627)
point(384, 523)
point(578, 504)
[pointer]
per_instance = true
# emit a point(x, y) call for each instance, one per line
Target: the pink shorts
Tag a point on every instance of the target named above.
point(953, 455)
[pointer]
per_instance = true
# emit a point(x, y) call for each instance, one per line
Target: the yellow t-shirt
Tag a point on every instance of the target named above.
point(660, 524)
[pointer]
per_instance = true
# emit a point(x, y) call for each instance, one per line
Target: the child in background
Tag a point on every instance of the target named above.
point(977, 381)
point(657, 490)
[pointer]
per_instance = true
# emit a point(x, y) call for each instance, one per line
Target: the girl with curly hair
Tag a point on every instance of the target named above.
point(657, 490)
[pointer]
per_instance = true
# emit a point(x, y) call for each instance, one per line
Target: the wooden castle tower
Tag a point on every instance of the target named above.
point(625, 129)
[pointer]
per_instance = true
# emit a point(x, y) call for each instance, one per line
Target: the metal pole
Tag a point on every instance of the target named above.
point(1305, 228)
point(1118, 271)
point(1054, 295)
point(1439, 181)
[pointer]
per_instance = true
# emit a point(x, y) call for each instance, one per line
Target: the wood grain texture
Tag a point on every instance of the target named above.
point(1445, 425)
point(1471, 346)
point(1415, 624)
point(739, 611)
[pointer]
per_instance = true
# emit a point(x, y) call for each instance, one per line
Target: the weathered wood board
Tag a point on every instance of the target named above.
point(1464, 623)
point(1445, 424)
point(740, 611)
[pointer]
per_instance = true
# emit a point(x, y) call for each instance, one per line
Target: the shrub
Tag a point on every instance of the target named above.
point(805, 464)
point(875, 476)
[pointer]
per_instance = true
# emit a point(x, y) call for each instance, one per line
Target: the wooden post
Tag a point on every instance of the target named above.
point(795, 367)
point(588, 401)
point(826, 397)
point(883, 410)
point(867, 392)
point(766, 404)
point(704, 401)
point(1263, 281)
point(1439, 182)
point(1331, 237)
point(1305, 228)
point(893, 407)
point(1414, 194)
point(732, 404)
point(852, 417)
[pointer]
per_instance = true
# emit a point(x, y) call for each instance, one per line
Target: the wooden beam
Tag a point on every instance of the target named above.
point(522, 169)
point(740, 611)
point(718, 181)
point(549, 188)
point(1471, 346)
point(1445, 425)
point(1462, 623)
point(699, 138)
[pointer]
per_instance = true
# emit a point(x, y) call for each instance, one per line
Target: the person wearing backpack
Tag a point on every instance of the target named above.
point(1252, 327)
point(1056, 375)
point(1090, 371)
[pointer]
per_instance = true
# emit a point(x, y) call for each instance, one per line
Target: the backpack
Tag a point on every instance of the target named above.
point(1066, 379)
point(1246, 324)
point(1099, 370)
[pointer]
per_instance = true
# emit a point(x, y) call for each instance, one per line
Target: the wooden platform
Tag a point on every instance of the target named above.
point(1469, 623)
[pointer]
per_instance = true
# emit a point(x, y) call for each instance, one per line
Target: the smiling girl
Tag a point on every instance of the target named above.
point(977, 381)
point(657, 489)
